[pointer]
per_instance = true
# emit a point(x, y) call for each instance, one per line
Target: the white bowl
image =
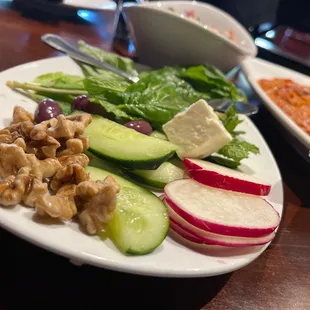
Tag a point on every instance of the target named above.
point(165, 37)
point(256, 69)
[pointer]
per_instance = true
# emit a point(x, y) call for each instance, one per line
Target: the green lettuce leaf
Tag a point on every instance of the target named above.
point(60, 80)
point(123, 63)
point(158, 96)
point(113, 111)
point(101, 74)
point(212, 82)
point(110, 90)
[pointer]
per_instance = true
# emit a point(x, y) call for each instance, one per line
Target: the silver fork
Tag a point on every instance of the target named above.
point(64, 46)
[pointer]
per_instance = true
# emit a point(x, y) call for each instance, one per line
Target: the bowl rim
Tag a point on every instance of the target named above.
point(251, 50)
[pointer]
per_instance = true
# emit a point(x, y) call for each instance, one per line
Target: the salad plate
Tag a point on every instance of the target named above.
point(295, 128)
point(169, 259)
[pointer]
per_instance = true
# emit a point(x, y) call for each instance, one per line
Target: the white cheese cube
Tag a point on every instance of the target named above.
point(198, 132)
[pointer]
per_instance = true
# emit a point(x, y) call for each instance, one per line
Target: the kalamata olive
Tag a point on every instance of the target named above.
point(140, 126)
point(47, 109)
point(80, 103)
point(83, 103)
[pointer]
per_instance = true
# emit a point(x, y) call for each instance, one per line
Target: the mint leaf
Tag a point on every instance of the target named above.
point(232, 120)
point(238, 150)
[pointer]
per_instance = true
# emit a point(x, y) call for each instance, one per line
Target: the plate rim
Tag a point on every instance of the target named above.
point(83, 258)
point(285, 120)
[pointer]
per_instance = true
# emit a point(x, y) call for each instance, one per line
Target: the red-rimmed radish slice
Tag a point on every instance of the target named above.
point(189, 241)
point(185, 234)
point(220, 211)
point(215, 239)
point(225, 178)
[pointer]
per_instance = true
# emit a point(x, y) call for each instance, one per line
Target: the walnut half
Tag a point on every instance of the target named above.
point(61, 206)
point(21, 115)
point(12, 158)
point(21, 188)
point(98, 200)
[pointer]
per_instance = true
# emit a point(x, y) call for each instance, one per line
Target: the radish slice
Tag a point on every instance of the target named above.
point(195, 244)
point(185, 234)
point(216, 239)
point(225, 178)
point(220, 211)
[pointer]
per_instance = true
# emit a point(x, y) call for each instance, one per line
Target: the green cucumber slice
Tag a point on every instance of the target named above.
point(158, 178)
point(159, 135)
point(140, 222)
point(125, 146)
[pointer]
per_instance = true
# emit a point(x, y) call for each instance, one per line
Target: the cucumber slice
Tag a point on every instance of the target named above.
point(159, 135)
point(125, 146)
point(158, 178)
point(140, 222)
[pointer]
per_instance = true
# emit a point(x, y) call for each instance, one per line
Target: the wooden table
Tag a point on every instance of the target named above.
point(278, 279)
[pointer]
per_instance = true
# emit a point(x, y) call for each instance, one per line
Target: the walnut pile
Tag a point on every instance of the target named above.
point(43, 166)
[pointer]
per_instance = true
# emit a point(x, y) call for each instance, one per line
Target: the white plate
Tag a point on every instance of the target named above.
point(255, 69)
point(171, 259)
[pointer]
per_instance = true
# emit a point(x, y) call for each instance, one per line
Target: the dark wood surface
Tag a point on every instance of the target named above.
point(278, 279)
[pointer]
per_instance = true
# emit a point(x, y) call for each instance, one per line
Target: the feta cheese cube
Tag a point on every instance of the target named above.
point(198, 132)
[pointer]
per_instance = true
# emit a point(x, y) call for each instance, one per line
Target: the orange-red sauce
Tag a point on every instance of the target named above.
point(292, 98)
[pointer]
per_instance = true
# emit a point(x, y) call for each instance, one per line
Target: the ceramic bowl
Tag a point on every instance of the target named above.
point(166, 33)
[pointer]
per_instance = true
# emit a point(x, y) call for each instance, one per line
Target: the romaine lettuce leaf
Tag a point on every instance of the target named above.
point(101, 74)
point(60, 80)
point(124, 63)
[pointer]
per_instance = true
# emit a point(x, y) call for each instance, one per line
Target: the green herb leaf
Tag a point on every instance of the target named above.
point(237, 133)
point(60, 80)
point(115, 112)
point(101, 74)
point(110, 90)
point(232, 120)
point(224, 161)
point(238, 150)
point(211, 81)
point(123, 63)
point(38, 88)
point(158, 96)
